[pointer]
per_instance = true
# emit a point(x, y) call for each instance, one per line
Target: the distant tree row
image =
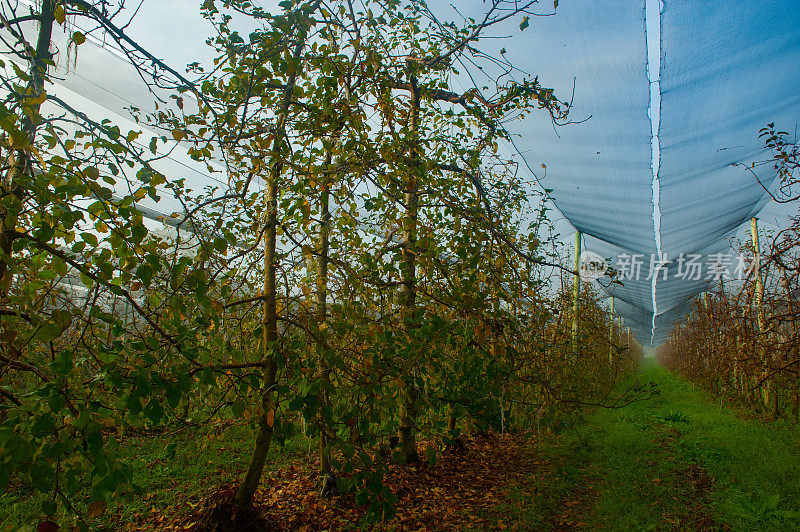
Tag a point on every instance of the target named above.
point(741, 340)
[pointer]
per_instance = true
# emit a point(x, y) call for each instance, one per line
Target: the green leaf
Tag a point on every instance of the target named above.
point(138, 232)
point(173, 395)
point(43, 426)
point(63, 318)
point(90, 238)
point(59, 266)
point(133, 404)
point(221, 245)
point(86, 280)
point(145, 273)
point(237, 407)
point(206, 376)
point(525, 23)
point(42, 476)
point(154, 410)
point(62, 365)
point(47, 275)
point(91, 172)
point(5, 474)
point(49, 507)
point(48, 331)
point(56, 402)
point(79, 38)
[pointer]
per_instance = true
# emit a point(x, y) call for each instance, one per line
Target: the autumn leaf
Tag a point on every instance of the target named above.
point(60, 15)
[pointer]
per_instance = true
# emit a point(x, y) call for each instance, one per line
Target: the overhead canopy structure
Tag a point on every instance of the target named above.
point(727, 69)
point(599, 168)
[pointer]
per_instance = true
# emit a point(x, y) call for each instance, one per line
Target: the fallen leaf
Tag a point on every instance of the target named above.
point(96, 509)
point(47, 526)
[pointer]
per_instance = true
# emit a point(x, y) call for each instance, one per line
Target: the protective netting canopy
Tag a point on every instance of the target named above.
point(727, 69)
point(599, 169)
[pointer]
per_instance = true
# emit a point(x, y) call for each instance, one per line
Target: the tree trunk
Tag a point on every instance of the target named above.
point(327, 481)
point(22, 159)
point(266, 423)
point(244, 495)
point(792, 351)
point(451, 418)
point(409, 395)
point(759, 304)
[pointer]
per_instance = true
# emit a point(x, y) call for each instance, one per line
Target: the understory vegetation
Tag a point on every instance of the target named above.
point(678, 460)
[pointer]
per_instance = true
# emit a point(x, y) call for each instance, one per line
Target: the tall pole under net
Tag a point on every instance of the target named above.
point(576, 293)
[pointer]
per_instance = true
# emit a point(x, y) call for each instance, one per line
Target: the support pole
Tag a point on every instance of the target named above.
point(757, 268)
point(759, 293)
point(576, 293)
point(612, 317)
point(611, 334)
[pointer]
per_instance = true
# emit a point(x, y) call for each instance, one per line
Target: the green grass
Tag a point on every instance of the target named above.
point(678, 461)
point(170, 469)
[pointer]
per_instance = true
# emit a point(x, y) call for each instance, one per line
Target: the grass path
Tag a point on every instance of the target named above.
point(677, 462)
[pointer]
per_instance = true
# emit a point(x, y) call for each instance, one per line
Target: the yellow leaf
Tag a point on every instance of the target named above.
point(60, 15)
point(178, 134)
point(37, 99)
